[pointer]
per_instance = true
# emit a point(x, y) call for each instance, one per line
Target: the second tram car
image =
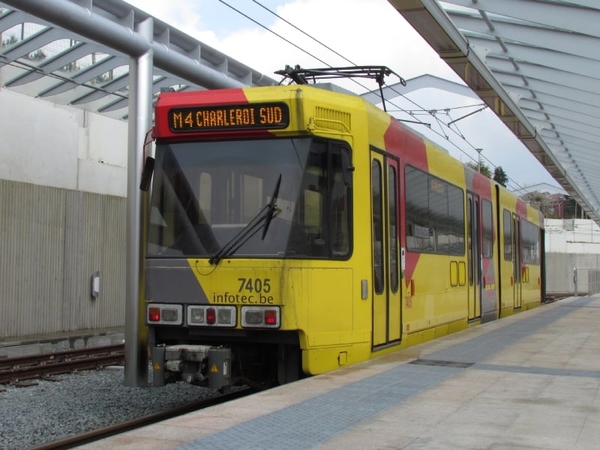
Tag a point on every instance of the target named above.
point(294, 230)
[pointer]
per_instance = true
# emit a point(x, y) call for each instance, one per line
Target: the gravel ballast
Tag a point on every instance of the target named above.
point(82, 402)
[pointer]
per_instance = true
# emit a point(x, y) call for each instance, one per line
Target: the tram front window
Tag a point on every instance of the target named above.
point(205, 193)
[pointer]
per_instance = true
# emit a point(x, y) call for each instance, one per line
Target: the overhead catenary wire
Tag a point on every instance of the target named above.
point(272, 32)
point(304, 33)
point(417, 121)
point(291, 43)
point(353, 63)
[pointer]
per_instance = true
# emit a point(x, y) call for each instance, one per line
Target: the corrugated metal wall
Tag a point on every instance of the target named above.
point(51, 242)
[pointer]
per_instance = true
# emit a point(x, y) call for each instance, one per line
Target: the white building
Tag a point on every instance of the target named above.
point(63, 201)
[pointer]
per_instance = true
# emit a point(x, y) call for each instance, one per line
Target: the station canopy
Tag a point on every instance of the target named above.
point(536, 64)
point(77, 52)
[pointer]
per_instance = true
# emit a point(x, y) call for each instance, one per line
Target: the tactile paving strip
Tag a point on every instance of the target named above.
point(317, 420)
point(477, 349)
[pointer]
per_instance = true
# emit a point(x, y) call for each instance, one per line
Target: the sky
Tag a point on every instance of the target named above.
point(342, 33)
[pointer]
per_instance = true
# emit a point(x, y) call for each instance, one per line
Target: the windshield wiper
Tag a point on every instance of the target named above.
point(272, 209)
point(263, 218)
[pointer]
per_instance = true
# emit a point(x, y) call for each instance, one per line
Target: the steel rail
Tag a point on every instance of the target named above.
point(29, 367)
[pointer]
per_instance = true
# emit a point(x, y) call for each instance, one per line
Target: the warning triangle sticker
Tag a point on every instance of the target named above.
point(214, 369)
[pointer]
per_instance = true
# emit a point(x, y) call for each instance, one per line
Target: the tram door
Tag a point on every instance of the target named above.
point(474, 255)
point(387, 312)
point(517, 276)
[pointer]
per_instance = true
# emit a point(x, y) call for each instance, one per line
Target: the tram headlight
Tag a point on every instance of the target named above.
point(196, 316)
point(253, 317)
point(224, 316)
point(169, 315)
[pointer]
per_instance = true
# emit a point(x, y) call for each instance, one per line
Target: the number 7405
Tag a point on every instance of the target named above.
point(258, 285)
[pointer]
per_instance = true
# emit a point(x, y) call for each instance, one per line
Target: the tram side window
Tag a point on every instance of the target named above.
point(310, 215)
point(435, 220)
point(322, 225)
point(456, 220)
point(438, 214)
point(508, 236)
point(419, 235)
point(488, 229)
point(340, 204)
point(376, 175)
point(531, 243)
point(393, 214)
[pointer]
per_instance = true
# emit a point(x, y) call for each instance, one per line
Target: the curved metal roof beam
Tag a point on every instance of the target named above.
point(84, 21)
point(583, 20)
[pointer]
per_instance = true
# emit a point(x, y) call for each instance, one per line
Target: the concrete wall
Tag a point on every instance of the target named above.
point(560, 271)
point(62, 217)
point(59, 146)
point(572, 245)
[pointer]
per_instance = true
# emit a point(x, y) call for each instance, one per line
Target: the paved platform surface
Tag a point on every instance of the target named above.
point(529, 381)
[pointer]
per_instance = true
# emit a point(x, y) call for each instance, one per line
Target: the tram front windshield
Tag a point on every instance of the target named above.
point(204, 195)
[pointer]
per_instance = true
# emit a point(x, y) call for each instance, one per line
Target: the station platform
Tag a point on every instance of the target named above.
point(528, 381)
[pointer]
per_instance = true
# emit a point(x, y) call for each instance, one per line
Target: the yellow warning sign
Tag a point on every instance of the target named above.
point(156, 366)
point(214, 369)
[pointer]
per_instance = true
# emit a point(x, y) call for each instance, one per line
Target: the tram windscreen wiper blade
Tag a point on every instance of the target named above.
point(264, 216)
point(272, 208)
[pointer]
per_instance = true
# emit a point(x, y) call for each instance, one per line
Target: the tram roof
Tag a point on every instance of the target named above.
point(536, 64)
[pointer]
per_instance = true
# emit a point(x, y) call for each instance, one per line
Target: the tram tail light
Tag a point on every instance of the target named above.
point(211, 316)
point(163, 314)
point(270, 317)
point(261, 317)
point(153, 314)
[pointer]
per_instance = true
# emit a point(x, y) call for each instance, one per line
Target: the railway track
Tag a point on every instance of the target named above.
point(112, 430)
point(23, 368)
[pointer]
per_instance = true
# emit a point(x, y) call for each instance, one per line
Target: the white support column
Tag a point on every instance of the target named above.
point(140, 121)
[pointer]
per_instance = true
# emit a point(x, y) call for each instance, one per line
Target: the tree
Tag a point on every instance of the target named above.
point(483, 169)
point(38, 55)
point(11, 40)
point(542, 201)
point(500, 176)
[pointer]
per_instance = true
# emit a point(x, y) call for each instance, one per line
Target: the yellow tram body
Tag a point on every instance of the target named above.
point(403, 242)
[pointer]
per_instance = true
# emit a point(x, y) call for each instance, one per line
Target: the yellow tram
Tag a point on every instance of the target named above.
point(295, 229)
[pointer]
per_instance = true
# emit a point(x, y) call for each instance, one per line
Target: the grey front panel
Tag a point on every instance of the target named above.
point(172, 281)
